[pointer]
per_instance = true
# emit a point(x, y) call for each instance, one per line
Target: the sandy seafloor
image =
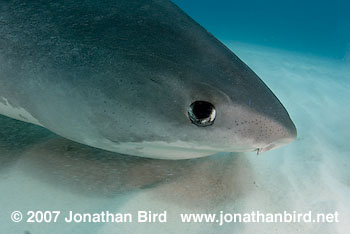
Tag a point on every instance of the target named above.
point(41, 171)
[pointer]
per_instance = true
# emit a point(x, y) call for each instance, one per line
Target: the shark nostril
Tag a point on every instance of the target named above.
point(202, 113)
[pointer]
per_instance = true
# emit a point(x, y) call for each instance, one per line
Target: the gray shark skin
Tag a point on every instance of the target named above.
point(121, 75)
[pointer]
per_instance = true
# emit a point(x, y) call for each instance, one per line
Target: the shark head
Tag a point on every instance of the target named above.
point(184, 94)
point(139, 78)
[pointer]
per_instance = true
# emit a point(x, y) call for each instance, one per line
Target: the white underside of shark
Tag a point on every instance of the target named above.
point(16, 112)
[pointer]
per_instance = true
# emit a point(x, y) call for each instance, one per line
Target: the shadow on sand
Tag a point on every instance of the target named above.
point(93, 172)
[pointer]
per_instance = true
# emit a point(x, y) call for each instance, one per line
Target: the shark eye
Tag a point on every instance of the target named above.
point(202, 113)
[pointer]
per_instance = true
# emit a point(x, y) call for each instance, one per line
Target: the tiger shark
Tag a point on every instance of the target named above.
point(137, 77)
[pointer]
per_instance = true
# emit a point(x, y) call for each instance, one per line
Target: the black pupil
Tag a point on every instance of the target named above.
point(201, 109)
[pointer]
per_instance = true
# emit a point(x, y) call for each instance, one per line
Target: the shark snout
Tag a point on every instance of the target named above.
point(279, 134)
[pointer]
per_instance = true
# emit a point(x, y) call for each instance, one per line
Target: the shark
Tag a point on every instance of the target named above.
point(137, 77)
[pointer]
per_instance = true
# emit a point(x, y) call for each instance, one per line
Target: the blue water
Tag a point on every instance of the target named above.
point(313, 27)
